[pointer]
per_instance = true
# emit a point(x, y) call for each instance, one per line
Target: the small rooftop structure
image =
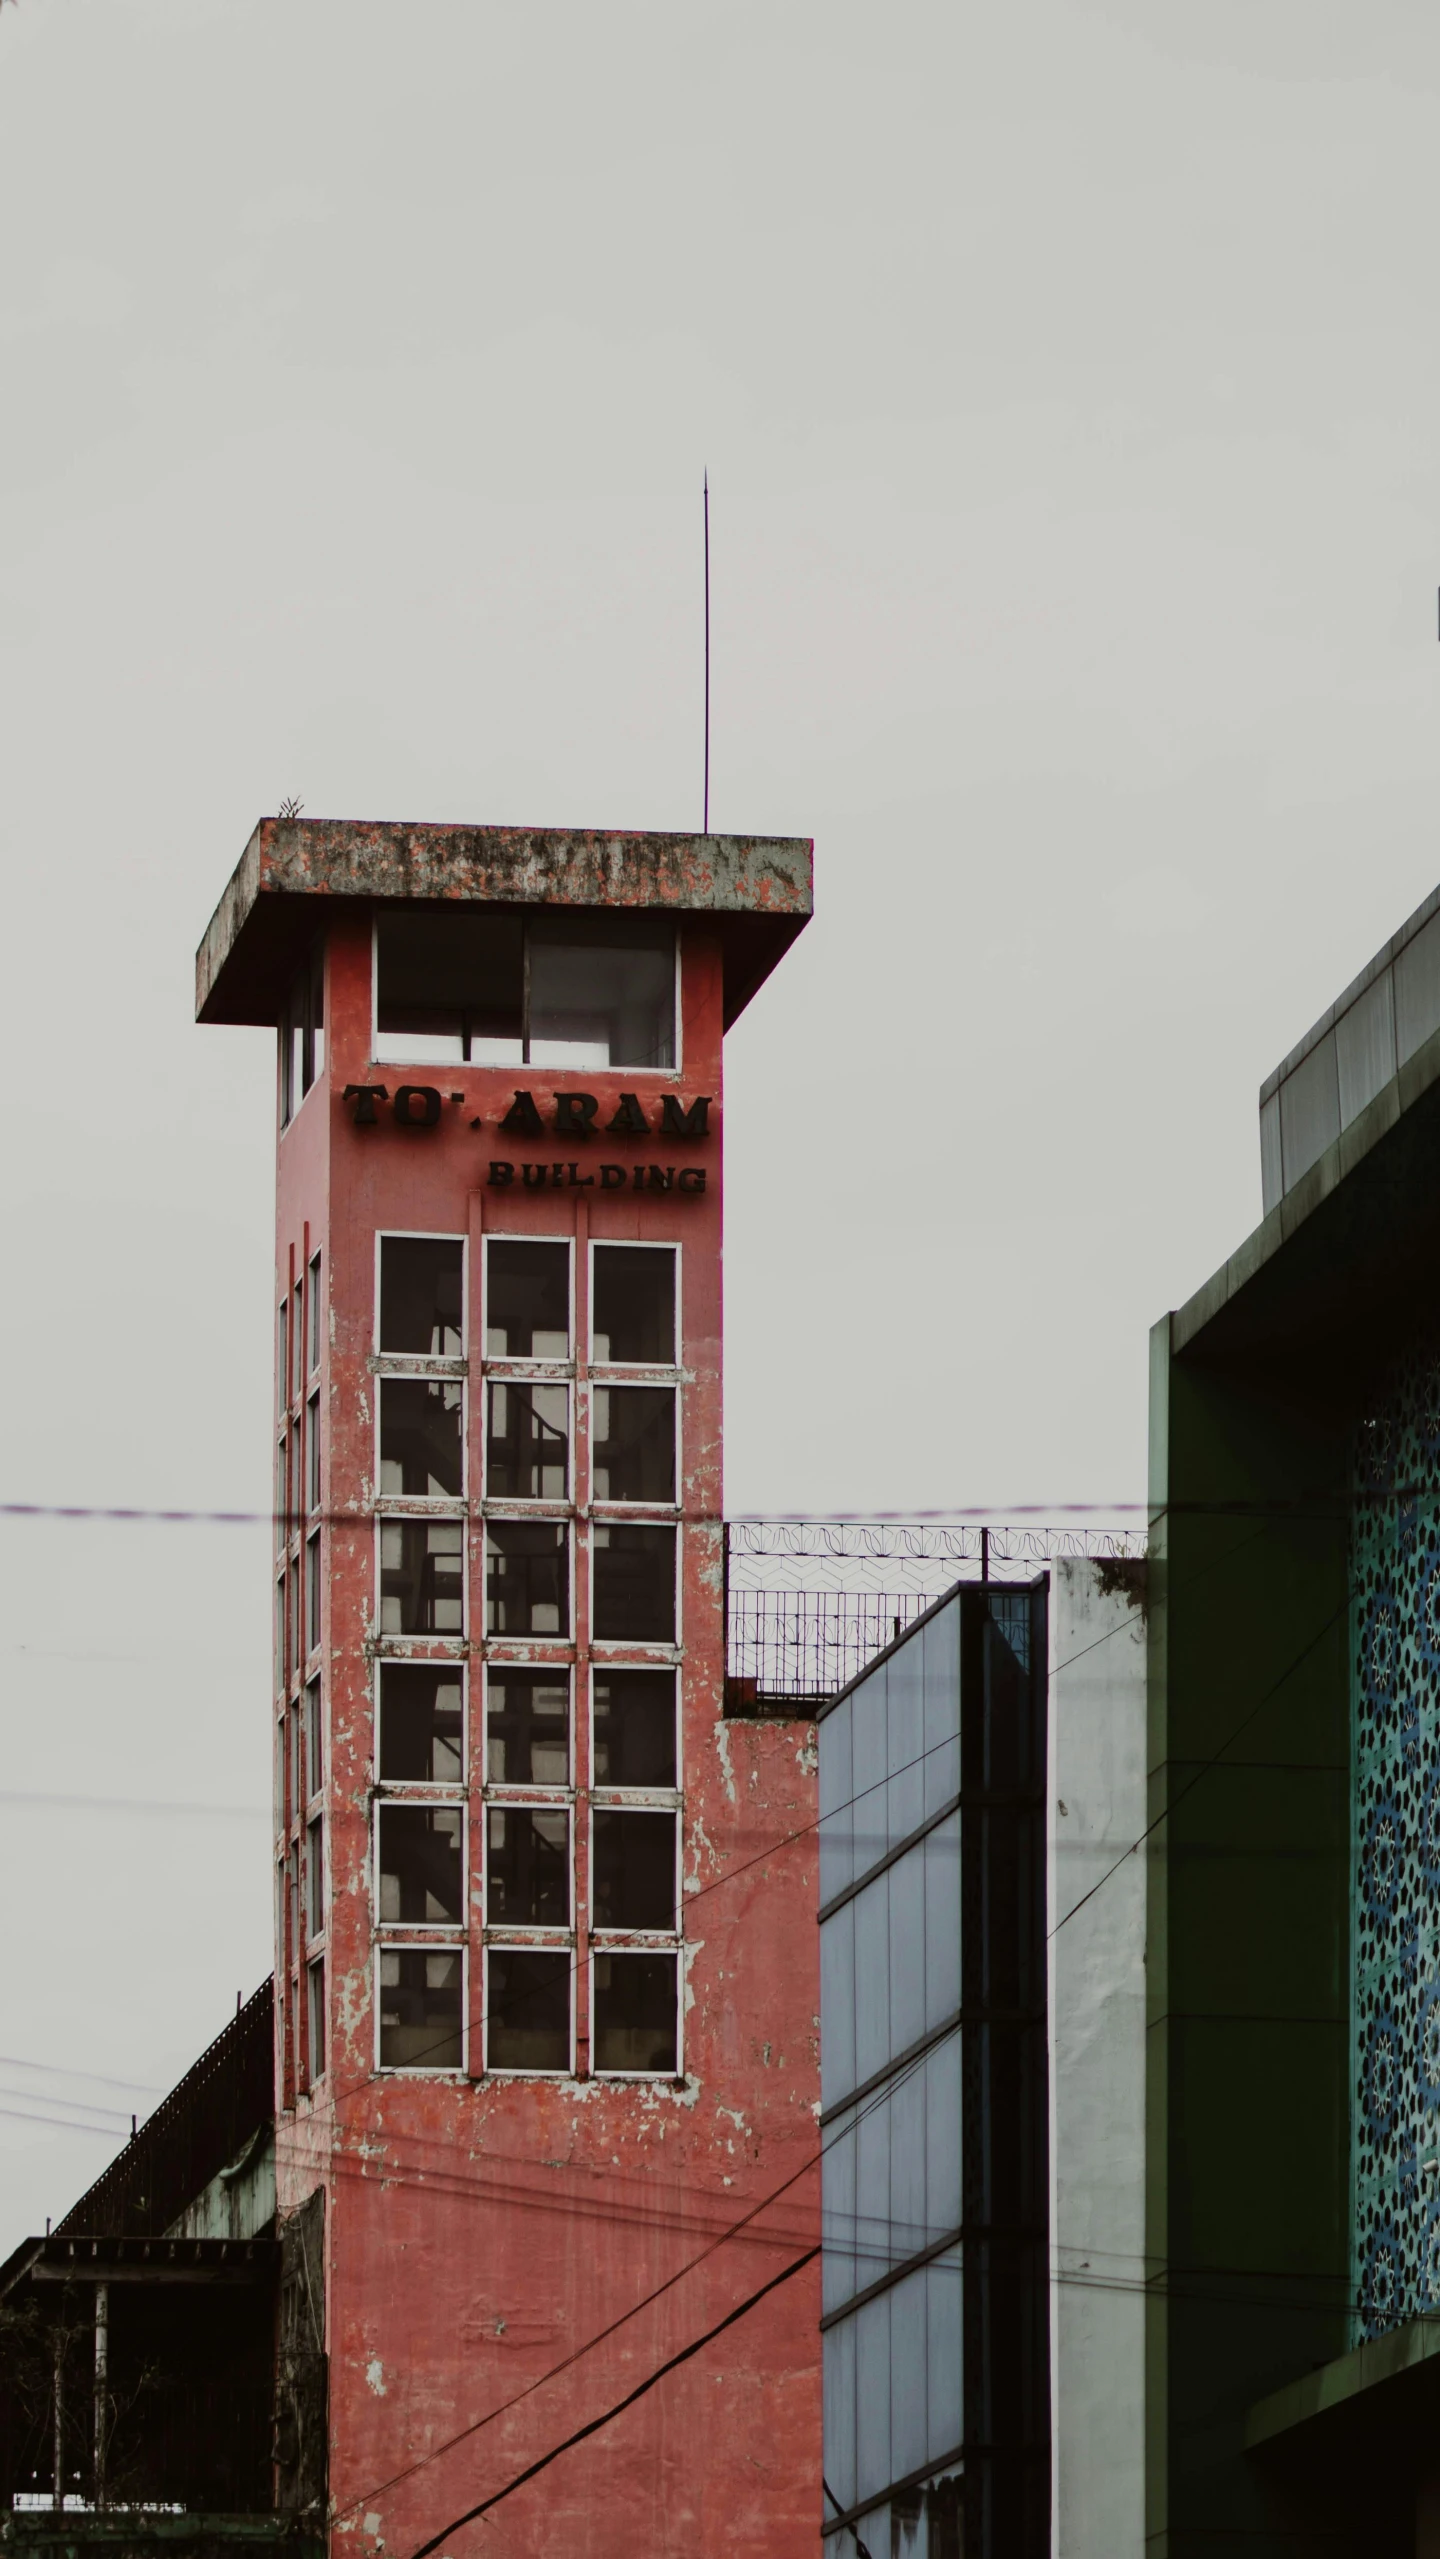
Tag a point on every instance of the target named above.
point(755, 890)
point(1347, 1058)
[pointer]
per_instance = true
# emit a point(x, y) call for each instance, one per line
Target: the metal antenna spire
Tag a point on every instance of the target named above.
point(705, 825)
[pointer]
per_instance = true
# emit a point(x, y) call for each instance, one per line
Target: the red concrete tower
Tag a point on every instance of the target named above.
point(546, 1969)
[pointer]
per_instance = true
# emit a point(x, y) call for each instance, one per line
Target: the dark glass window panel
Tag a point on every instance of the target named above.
point(632, 1316)
point(632, 1443)
point(422, 1735)
point(422, 1577)
point(632, 1583)
point(632, 1881)
point(295, 1495)
point(422, 1436)
point(527, 1728)
point(296, 1775)
point(312, 1453)
point(314, 1739)
point(527, 2011)
point(527, 1866)
point(635, 1728)
point(316, 2019)
point(315, 1313)
point(421, 1996)
point(315, 1878)
point(527, 1441)
point(421, 1883)
point(312, 1594)
point(527, 1578)
point(422, 1280)
point(292, 1620)
point(633, 2022)
point(297, 1336)
point(527, 1301)
point(450, 985)
point(602, 990)
point(282, 1357)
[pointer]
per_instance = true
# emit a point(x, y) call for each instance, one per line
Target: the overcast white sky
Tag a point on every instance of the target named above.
point(1068, 380)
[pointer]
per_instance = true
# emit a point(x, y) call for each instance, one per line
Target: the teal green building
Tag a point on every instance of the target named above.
point(1293, 1958)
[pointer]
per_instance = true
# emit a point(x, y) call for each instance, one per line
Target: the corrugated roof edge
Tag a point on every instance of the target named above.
point(1373, 969)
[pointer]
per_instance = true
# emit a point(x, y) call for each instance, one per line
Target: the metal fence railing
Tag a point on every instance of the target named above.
point(799, 1646)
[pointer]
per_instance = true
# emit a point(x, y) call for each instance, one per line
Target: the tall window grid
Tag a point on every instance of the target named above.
point(302, 1894)
point(421, 1853)
point(557, 1719)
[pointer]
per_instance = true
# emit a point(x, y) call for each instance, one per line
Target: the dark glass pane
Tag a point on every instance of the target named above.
point(527, 1441)
point(527, 2011)
point(527, 1578)
point(422, 1577)
point(632, 1883)
point(315, 1312)
point(527, 1867)
point(635, 1728)
point(633, 1315)
point(317, 2019)
point(421, 1723)
point(314, 1739)
point(632, 1583)
point(315, 1878)
point(527, 1301)
point(602, 990)
point(633, 2026)
point(422, 1428)
point(421, 2009)
point(632, 1443)
point(527, 1728)
point(420, 1865)
point(449, 985)
point(421, 1295)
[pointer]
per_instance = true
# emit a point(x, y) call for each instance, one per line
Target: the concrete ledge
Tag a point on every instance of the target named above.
point(1341, 1162)
point(1340, 2384)
point(757, 890)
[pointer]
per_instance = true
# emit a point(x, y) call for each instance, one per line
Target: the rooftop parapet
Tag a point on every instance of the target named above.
point(1351, 1053)
point(755, 890)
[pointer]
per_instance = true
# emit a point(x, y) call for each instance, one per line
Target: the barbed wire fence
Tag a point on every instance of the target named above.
point(793, 1641)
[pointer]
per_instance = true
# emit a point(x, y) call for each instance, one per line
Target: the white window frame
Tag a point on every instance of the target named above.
point(608, 1790)
point(536, 1515)
point(637, 1940)
point(622, 1942)
point(503, 1363)
point(422, 1363)
point(535, 1505)
point(421, 1790)
point(458, 1946)
point(647, 1651)
point(520, 1788)
point(450, 1932)
point(423, 1516)
point(507, 1942)
point(610, 1506)
point(664, 1372)
point(539, 1934)
point(422, 1505)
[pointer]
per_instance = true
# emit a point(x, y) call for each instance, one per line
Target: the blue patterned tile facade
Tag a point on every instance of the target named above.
point(1395, 1849)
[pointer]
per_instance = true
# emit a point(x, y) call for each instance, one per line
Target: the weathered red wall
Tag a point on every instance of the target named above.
point(480, 2234)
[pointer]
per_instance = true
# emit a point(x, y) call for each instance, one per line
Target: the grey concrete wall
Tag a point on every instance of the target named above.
point(1097, 2061)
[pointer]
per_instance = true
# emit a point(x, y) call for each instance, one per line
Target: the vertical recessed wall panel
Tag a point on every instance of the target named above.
point(1365, 1053)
